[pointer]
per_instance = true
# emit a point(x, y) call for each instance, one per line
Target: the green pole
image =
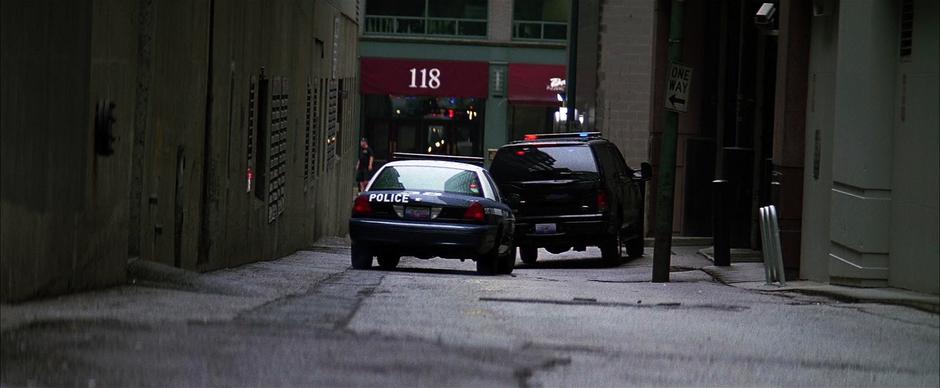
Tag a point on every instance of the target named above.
point(571, 91)
point(667, 162)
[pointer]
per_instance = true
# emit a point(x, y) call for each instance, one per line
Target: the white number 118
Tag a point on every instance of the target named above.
point(429, 78)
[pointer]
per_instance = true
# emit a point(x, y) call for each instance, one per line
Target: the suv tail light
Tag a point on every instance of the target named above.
point(475, 213)
point(361, 207)
point(602, 204)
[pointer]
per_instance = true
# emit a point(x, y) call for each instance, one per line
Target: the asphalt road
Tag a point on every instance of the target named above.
point(569, 320)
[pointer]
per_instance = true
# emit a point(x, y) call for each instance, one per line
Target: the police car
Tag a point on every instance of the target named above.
point(432, 208)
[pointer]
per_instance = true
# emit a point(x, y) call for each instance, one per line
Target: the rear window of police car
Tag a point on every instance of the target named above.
point(530, 162)
point(425, 178)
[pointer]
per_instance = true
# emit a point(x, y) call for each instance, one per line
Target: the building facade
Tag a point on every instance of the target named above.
point(871, 186)
point(197, 134)
point(827, 110)
point(460, 77)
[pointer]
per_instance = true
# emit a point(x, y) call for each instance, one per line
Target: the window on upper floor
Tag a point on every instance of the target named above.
point(442, 18)
point(540, 19)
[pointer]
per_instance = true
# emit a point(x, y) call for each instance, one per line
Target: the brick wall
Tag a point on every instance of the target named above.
point(624, 75)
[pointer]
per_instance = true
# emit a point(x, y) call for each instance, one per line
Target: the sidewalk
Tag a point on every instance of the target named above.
point(750, 276)
point(157, 293)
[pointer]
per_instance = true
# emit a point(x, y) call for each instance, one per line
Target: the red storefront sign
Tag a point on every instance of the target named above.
point(416, 77)
point(536, 84)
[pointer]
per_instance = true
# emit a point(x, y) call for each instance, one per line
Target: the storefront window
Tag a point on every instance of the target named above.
point(465, 18)
point(530, 119)
point(540, 19)
point(427, 125)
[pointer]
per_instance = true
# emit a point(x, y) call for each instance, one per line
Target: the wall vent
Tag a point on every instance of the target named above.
point(907, 28)
point(308, 135)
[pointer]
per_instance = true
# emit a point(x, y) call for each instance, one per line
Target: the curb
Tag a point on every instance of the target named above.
point(738, 255)
point(681, 241)
point(750, 276)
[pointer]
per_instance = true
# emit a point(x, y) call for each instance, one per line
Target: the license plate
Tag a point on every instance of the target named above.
point(545, 228)
point(421, 213)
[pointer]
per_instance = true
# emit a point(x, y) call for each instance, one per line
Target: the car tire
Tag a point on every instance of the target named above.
point(361, 256)
point(487, 265)
point(528, 254)
point(388, 261)
point(506, 262)
point(635, 247)
point(610, 249)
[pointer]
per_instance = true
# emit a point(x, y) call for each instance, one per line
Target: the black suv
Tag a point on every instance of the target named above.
point(569, 191)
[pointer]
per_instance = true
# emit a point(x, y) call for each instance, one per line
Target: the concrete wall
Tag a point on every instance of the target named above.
point(861, 170)
point(227, 224)
point(499, 23)
point(817, 177)
point(175, 129)
point(915, 256)
point(63, 214)
point(870, 217)
point(174, 189)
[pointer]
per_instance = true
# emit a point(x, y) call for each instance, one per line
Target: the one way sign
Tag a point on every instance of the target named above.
point(677, 87)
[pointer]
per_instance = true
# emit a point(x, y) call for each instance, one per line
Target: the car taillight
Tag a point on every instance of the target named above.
point(602, 204)
point(361, 207)
point(475, 213)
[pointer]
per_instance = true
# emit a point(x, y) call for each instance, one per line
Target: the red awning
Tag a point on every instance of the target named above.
point(536, 84)
point(418, 77)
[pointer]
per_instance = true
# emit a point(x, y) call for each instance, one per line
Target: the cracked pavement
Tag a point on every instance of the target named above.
point(568, 320)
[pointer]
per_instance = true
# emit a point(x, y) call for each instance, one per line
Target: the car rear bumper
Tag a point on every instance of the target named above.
point(590, 229)
point(424, 239)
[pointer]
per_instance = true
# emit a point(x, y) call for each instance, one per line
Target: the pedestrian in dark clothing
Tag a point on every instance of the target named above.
point(364, 164)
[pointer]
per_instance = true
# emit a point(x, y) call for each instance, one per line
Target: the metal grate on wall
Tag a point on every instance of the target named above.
point(907, 29)
point(277, 153)
point(308, 122)
point(317, 128)
point(332, 118)
point(252, 125)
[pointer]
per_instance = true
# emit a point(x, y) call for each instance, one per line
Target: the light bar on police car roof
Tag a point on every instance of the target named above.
point(533, 136)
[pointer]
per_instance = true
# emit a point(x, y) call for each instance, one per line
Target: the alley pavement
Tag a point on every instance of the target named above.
point(567, 320)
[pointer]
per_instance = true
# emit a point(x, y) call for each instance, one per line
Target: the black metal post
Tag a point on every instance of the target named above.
point(665, 193)
point(720, 232)
point(571, 84)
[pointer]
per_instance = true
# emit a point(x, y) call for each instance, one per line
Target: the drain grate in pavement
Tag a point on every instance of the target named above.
point(639, 304)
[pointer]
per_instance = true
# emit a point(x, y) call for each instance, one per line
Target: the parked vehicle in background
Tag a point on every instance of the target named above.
point(432, 208)
point(569, 191)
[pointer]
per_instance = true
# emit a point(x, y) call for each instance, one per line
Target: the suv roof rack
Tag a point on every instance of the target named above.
point(560, 136)
point(444, 158)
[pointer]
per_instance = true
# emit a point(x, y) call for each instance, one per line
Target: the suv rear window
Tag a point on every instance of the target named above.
point(426, 178)
point(535, 162)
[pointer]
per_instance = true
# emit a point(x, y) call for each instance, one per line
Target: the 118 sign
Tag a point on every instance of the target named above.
point(430, 78)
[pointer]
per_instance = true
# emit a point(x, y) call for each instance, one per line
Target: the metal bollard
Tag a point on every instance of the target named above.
point(768, 276)
point(770, 238)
